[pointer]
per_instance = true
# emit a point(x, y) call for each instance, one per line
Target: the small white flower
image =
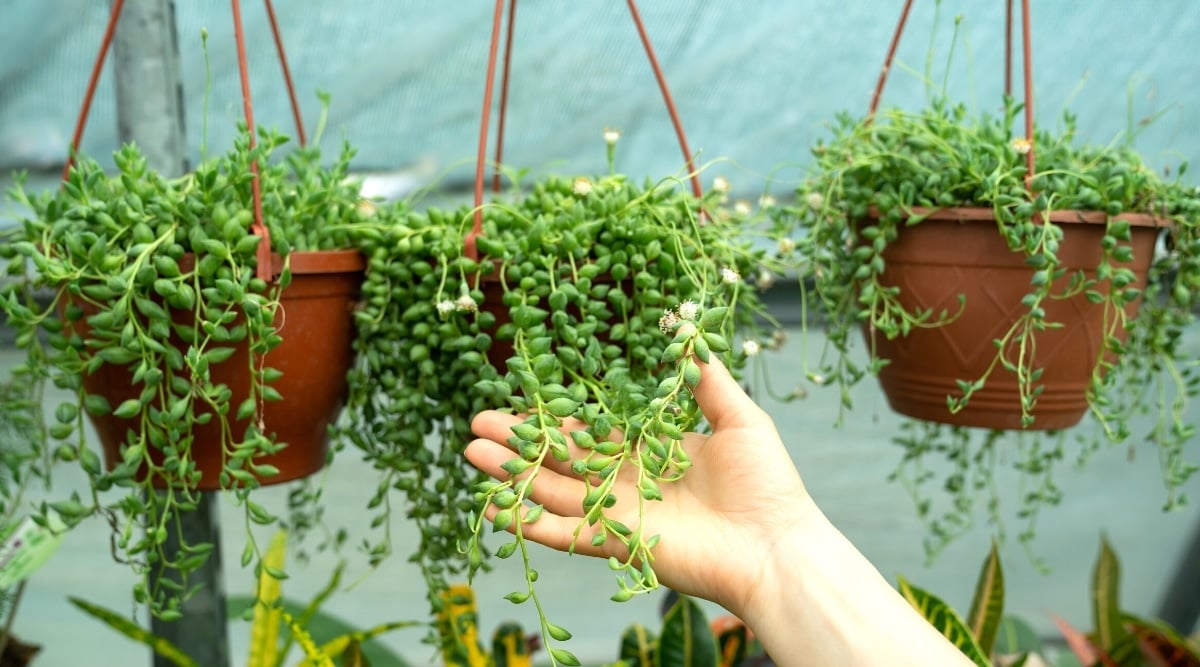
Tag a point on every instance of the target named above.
point(816, 378)
point(729, 276)
point(786, 246)
point(668, 322)
point(466, 304)
point(751, 348)
point(583, 186)
point(766, 201)
point(815, 200)
point(721, 184)
point(611, 136)
point(766, 280)
point(445, 307)
point(742, 207)
point(1021, 145)
point(689, 310)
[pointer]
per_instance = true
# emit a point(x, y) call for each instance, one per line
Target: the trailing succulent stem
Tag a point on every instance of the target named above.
point(876, 177)
point(113, 272)
point(561, 319)
point(651, 447)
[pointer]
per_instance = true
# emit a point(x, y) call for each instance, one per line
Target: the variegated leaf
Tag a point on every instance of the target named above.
point(987, 605)
point(942, 617)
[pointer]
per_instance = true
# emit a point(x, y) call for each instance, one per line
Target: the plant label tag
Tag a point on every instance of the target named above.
point(26, 546)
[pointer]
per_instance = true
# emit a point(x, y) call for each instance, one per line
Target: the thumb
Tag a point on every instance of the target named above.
point(722, 400)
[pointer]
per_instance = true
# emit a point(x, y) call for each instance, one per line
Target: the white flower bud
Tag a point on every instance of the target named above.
point(668, 322)
point(689, 310)
point(466, 304)
point(1021, 145)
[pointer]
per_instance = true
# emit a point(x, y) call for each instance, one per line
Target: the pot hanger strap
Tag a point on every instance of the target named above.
point(264, 268)
point(1027, 65)
point(469, 245)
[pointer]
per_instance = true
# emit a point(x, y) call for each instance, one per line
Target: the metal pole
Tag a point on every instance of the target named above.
point(150, 114)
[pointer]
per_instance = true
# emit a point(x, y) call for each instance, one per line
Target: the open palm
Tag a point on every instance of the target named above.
point(741, 489)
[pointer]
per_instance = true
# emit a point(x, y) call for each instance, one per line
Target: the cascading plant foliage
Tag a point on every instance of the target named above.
point(571, 315)
point(93, 268)
point(901, 163)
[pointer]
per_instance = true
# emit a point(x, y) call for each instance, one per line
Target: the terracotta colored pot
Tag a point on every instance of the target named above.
point(957, 252)
point(315, 320)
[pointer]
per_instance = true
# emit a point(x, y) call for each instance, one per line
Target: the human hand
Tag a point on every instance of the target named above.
point(717, 524)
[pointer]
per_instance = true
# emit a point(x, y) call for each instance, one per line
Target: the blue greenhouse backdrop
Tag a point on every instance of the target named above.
point(756, 82)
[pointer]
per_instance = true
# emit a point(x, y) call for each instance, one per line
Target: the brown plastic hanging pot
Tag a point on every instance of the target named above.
point(315, 322)
point(958, 252)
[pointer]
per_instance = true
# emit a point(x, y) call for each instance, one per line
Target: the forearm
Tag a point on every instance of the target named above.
point(821, 602)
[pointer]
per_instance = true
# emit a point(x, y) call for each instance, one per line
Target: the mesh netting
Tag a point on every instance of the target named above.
point(754, 81)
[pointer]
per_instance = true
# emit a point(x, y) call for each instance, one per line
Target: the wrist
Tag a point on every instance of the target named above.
point(770, 572)
point(819, 601)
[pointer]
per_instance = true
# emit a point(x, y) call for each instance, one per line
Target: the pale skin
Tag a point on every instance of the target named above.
point(741, 530)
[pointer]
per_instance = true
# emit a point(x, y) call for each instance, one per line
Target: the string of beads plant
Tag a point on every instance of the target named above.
point(643, 433)
point(879, 178)
point(156, 275)
point(561, 316)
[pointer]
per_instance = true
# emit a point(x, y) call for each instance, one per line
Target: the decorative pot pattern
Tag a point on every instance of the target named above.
point(958, 252)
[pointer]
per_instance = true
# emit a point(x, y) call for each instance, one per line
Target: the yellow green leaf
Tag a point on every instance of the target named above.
point(1106, 609)
point(264, 631)
point(637, 646)
point(306, 642)
point(459, 628)
point(686, 639)
point(987, 606)
point(159, 645)
point(339, 645)
point(509, 648)
point(944, 620)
